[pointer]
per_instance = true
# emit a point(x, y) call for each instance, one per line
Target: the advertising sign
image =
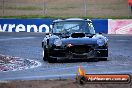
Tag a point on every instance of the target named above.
point(25, 25)
point(42, 25)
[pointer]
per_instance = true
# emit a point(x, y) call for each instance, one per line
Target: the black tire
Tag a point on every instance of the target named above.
point(102, 59)
point(94, 59)
point(52, 60)
point(45, 55)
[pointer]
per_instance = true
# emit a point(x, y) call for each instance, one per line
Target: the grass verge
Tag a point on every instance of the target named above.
point(22, 8)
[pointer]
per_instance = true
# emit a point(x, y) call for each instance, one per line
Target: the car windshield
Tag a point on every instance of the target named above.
point(73, 26)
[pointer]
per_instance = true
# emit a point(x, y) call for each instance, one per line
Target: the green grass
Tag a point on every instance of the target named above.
point(22, 8)
point(63, 8)
point(63, 17)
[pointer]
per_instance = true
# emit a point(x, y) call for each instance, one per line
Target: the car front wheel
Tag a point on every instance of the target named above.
point(52, 60)
point(45, 55)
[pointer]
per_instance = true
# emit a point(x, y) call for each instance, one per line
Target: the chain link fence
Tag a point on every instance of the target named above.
point(64, 8)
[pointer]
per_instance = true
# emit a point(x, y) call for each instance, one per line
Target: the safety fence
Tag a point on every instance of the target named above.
point(65, 8)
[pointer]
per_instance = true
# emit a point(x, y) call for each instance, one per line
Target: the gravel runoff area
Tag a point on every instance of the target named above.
point(8, 63)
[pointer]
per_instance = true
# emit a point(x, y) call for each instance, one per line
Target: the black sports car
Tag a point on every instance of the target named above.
point(74, 38)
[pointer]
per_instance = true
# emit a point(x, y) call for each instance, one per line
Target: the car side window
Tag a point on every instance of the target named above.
point(58, 28)
point(91, 28)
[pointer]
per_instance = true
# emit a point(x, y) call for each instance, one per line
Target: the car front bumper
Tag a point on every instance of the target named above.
point(78, 53)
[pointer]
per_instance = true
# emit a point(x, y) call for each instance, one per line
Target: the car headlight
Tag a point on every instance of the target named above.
point(100, 42)
point(58, 42)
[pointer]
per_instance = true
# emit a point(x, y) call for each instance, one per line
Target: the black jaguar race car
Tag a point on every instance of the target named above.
point(74, 38)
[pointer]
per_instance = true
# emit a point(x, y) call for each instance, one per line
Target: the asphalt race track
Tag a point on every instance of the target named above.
point(28, 46)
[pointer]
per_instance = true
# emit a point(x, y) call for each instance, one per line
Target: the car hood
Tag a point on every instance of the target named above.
point(79, 41)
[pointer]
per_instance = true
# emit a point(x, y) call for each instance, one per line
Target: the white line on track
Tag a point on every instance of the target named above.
point(6, 39)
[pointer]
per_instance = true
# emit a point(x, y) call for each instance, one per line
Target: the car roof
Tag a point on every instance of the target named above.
point(72, 19)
